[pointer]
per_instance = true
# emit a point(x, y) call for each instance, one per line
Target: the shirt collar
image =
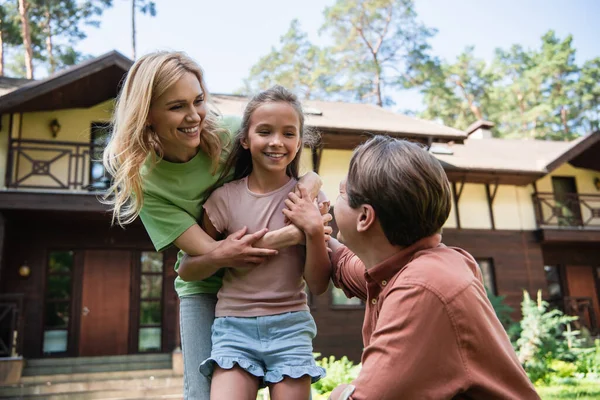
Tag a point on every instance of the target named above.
point(392, 265)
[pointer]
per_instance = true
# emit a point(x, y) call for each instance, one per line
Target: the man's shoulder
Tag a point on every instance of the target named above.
point(445, 271)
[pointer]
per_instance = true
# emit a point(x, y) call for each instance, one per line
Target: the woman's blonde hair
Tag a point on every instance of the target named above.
point(132, 139)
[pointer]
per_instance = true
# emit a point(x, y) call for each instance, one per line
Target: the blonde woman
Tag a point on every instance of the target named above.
point(165, 151)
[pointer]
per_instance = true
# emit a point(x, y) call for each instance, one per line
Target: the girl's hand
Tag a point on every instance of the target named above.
point(237, 251)
point(304, 213)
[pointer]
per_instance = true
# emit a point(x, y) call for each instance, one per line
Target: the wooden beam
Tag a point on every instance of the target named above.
point(19, 200)
point(456, 196)
point(490, 201)
point(316, 158)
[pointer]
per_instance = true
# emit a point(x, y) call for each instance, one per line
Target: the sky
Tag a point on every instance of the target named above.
point(227, 37)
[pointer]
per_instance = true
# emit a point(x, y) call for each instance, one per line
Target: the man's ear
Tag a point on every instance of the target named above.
point(366, 218)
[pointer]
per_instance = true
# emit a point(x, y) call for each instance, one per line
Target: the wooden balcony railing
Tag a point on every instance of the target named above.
point(53, 165)
point(567, 211)
point(580, 307)
point(11, 324)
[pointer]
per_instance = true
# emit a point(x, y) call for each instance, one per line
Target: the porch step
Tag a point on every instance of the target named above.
point(150, 384)
point(76, 365)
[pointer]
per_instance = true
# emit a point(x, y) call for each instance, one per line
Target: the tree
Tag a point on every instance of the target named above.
point(26, 35)
point(62, 19)
point(378, 45)
point(145, 7)
point(298, 65)
point(456, 93)
point(587, 90)
point(9, 31)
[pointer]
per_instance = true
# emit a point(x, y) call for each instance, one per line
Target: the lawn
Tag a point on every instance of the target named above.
point(582, 390)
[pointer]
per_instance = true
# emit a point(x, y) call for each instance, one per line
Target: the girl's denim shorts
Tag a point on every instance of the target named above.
point(269, 347)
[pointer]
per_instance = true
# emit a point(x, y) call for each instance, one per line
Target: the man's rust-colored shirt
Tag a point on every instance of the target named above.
point(430, 331)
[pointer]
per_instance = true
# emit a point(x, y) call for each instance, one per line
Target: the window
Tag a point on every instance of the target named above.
point(57, 304)
point(99, 179)
point(339, 299)
point(553, 280)
point(151, 293)
point(487, 270)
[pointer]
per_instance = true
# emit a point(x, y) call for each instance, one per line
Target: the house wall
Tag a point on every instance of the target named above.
point(75, 128)
point(584, 179)
point(75, 123)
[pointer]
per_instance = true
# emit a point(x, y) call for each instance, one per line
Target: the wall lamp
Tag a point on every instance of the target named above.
point(54, 127)
point(24, 270)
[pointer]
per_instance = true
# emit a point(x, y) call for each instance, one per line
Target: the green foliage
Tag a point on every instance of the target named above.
point(55, 27)
point(297, 64)
point(503, 310)
point(588, 359)
point(542, 338)
point(338, 372)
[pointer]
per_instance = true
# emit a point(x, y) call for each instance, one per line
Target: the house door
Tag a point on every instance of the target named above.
point(565, 196)
point(104, 327)
point(583, 292)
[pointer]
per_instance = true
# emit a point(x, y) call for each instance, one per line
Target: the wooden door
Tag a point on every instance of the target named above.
point(581, 282)
point(104, 327)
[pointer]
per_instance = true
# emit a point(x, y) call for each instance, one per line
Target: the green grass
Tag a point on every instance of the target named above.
point(582, 390)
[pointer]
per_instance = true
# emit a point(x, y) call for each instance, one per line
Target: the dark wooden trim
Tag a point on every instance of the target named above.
point(456, 196)
point(490, 201)
point(500, 177)
point(9, 156)
point(569, 235)
point(134, 301)
point(51, 201)
point(77, 293)
point(317, 154)
point(574, 151)
point(11, 101)
point(2, 233)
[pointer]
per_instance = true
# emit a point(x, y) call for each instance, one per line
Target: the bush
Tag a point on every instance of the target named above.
point(338, 372)
point(545, 337)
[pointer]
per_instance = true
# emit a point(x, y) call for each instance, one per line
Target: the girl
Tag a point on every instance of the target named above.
point(263, 331)
point(166, 147)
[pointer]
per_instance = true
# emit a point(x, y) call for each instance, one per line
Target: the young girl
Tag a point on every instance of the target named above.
point(263, 332)
point(166, 146)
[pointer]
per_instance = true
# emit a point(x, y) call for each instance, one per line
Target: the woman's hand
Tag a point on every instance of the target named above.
point(237, 249)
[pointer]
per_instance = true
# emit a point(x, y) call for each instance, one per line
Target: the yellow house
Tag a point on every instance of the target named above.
point(83, 296)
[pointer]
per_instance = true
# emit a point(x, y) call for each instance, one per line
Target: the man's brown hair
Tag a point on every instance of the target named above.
point(406, 186)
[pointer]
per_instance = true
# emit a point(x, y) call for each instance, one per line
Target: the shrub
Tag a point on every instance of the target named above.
point(543, 338)
point(338, 372)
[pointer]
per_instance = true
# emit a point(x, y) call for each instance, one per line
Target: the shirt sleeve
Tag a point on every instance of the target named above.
point(348, 273)
point(217, 209)
point(413, 333)
point(164, 221)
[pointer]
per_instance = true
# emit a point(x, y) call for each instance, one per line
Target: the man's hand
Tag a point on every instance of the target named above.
point(342, 392)
point(305, 213)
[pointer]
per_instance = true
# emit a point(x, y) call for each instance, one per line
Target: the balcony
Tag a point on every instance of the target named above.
point(567, 211)
point(55, 166)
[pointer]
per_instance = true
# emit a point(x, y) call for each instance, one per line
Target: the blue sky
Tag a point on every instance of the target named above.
point(228, 36)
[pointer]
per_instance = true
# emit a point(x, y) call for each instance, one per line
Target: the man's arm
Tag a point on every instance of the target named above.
point(413, 352)
point(347, 271)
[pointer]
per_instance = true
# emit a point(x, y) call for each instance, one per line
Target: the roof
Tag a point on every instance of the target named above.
point(353, 117)
point(529, 159)
point(9, 84)
point(82, 85)
point(582, 152)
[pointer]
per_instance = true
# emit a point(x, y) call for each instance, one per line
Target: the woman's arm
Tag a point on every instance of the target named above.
point(304, 213)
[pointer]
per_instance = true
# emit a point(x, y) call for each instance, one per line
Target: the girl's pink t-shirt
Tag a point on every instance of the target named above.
point(277, 285)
